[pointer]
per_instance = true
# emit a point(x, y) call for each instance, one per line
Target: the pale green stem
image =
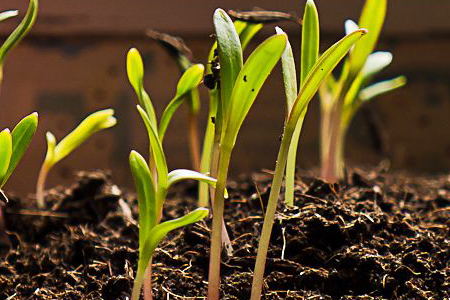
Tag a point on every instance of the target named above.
point(216, 235)
point(138, 281)
point(40, 186)
point(193, 141)
point(258, 274)
point(291, 164)
point(205, 165)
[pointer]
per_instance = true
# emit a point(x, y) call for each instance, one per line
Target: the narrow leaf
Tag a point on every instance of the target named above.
point(289, 74)
point(230, 55)
point(188, 81)
point(250, 80)
point(20, 31)
point(323, 67)
point(8, 14)
point(382, 87)
point(135, 71)
point(372, 18)
point(21, 139)
point(376, 62)
point(248, 32)
point(183, 174)
point(93, 123)
point(145, 190)
point(350, 26)
point(5, 154)
point(310, 40)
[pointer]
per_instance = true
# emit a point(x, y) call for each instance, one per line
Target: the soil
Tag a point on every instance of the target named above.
point(374, 236)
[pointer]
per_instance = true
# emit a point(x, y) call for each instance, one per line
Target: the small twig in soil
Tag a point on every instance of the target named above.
point(29, 212)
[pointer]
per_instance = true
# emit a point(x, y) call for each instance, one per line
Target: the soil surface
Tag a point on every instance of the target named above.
point(374, 236)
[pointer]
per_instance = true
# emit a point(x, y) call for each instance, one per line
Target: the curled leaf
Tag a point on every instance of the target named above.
point(5, 154)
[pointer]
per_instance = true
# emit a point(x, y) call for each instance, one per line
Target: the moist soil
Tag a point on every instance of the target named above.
point(373, 236)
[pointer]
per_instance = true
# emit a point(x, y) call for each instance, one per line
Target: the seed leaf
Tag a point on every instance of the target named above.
point(230, 55)
point(145, 190)
point(5, 154)
point(372, 18)
point(382, 87)
point(158, 232)
point(20, 31)
point(21, 138)
point(8, 14)
point(93, 123)
point(188, 81)
point(250, 80)
point(310, 40)
point(322, 68)
point(135, 71)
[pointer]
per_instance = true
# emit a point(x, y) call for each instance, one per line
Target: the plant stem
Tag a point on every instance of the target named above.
point(193, 141)
point(148, 295)
point(216, 235)
point(258, 274)
point(40, 186)
point(205, 165)
point(138, 281)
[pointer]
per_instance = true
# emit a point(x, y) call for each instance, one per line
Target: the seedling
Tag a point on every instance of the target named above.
point(317, 74)
point(239, 85)
point(18, 34)
point(152, 185)
point(340, 99)
point(55, 152)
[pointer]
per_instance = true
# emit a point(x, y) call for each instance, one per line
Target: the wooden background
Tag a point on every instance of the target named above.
point(73, 63)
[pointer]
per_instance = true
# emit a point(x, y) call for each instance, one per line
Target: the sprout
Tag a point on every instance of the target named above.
point(317, 74)
point(14, 144)
point(55, 152)
point(21, 30)
point(340, 99)
point(152, 183)
point(239, 85)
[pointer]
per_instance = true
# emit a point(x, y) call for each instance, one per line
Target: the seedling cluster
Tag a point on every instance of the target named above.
point(233, 86)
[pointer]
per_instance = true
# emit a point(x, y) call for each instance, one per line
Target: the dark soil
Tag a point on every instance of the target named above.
point(376, 236)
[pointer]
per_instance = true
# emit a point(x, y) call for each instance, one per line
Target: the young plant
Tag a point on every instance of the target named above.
point(317, 74)
point(341, 99)
point(309, 54)
point(239, 85)
point(21, 30)
point(152, 185)
point(55, 152)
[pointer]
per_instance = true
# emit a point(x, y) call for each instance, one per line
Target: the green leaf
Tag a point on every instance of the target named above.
point(51, 144)
point(183, 174)
point(310, 40)
point(188, 81)
point(289, 73)
point(158, 232)
point(93, 123)
point(156, 146)
point(20, 31)
point(248, 32)
point(372, 18)
point(145, 190)
point(8, 14)
point(135, 71)
point(5, 154)
point(382, 87)
point(323, 68)
point(350, 26)
point(250, 80)
point(376, 62)
point(21, 139)
point(230, 55)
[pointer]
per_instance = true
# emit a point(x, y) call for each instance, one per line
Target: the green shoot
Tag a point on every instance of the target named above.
point(8, 14)
point(21, 30)
point(239, 86)
point(341, 99)
point(55, 152)
point(321, 69)
point(14, 144)
point(309, 55)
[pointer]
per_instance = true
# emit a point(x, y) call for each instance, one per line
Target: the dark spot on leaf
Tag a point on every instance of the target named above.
point(245, 78)
point(213, 120)
point(253, 90)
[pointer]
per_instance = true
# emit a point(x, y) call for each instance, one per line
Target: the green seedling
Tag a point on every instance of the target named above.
point(153, 183)
point(340, 99)
point(18, 34)
point(309, 55)
point(55, 152)
point(317, 74)
point(239, 85)
point(176, 47)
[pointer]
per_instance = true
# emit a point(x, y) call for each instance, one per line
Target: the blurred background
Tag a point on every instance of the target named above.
point(73, 63)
